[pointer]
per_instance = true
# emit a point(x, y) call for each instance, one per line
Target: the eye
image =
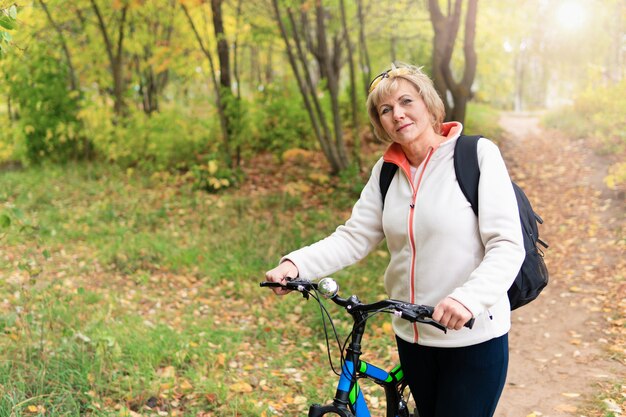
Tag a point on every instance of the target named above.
point(407, 101)
point(385, 110)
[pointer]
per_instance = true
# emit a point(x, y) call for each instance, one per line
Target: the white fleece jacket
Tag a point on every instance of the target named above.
point(437, 244)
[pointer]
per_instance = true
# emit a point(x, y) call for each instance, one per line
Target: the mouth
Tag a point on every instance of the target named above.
point(403, 127)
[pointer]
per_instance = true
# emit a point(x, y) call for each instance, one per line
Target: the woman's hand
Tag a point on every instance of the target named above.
point(286, 269)
point(451, 314)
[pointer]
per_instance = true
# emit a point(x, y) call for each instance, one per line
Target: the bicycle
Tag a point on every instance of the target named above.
point(349, 400)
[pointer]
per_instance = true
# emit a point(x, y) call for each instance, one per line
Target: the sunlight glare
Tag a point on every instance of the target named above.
point(571, 15)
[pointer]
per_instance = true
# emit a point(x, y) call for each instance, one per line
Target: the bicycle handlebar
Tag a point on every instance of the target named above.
point(411, 312)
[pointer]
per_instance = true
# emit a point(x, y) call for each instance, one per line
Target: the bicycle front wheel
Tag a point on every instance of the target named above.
point(317, 410)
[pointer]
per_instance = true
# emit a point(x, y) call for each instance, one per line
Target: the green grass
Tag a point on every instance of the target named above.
point(127, 293)
point(131, 294)
point(482, 119)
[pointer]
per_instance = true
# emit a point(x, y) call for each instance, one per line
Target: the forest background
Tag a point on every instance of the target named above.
point(150, 148)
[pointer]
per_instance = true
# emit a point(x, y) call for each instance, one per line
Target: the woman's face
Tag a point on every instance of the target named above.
point(404, 115)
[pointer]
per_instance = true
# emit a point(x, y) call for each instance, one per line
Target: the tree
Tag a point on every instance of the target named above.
point(354, 106)
point(455, 94)
point(225, 100)
point(115, 52)
point(364, 57)
point(328, 60)
point(153, 29)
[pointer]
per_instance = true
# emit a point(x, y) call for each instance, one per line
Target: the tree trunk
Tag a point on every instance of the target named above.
point(219, 92)
point(151, 85)
point(10, 110)
point(222, 43)
point(115, 54)
point(330, 69)
point(254, 68)
point(148, 89)
point(228, 100)
point(332, 145)
point(364, 58)
point(269, 69)
point(236, 53)
point(356, 146)
point(455, 95)
point(307, 89)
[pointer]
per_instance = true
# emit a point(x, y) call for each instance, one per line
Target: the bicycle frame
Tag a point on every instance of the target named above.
point(349, 400)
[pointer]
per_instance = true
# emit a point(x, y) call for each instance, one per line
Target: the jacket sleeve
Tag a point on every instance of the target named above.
point(500, 231)
point(350, 242)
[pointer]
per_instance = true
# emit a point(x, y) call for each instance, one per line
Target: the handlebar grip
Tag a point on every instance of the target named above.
point(422, 312)
point(271, 284)
point(469, 324)
point(290, 284)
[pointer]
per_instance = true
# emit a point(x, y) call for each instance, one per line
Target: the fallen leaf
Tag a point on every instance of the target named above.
point(241, 387)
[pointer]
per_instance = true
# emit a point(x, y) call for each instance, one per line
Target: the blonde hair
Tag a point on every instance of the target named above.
point(387, 82)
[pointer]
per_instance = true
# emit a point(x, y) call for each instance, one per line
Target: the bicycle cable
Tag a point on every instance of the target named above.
point(342, 347)
point(326, 315)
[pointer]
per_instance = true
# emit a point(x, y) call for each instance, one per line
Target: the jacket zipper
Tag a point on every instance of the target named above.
point(412, 237)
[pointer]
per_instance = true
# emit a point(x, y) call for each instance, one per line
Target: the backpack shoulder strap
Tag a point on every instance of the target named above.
point(466, 168)
point(387, 173)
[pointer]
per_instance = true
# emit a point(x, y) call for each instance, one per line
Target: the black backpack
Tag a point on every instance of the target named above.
point(533, 275)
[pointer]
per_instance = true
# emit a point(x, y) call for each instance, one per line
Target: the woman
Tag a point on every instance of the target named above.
point(442, 254)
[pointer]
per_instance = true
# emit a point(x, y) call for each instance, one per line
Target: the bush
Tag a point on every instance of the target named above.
point(281, 121)
point(47, 127)
point(166, 140)
point(212, 177)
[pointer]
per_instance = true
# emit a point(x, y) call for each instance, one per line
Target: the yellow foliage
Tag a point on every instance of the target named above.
point(6, 151)
point(617, 175)
point(212, 167)
point(241, 387)
point(190, 3)
point(185, 385)
point(296, 188)
point(297, 155)
point(319, 178)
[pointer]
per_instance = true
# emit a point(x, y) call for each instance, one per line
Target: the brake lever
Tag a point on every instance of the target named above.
point(433, 323)
point(301, 290)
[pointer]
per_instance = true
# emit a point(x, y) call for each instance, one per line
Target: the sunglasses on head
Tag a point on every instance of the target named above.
point(390, 73)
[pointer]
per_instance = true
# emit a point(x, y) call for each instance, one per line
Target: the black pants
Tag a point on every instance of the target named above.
point(456, 382)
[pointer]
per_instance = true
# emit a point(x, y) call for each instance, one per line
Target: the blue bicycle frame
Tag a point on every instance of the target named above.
point(349, 400)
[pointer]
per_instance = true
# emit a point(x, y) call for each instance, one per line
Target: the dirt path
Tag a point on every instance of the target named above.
point(561, 344)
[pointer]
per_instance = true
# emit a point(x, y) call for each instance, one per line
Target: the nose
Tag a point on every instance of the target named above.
point(398, 113)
